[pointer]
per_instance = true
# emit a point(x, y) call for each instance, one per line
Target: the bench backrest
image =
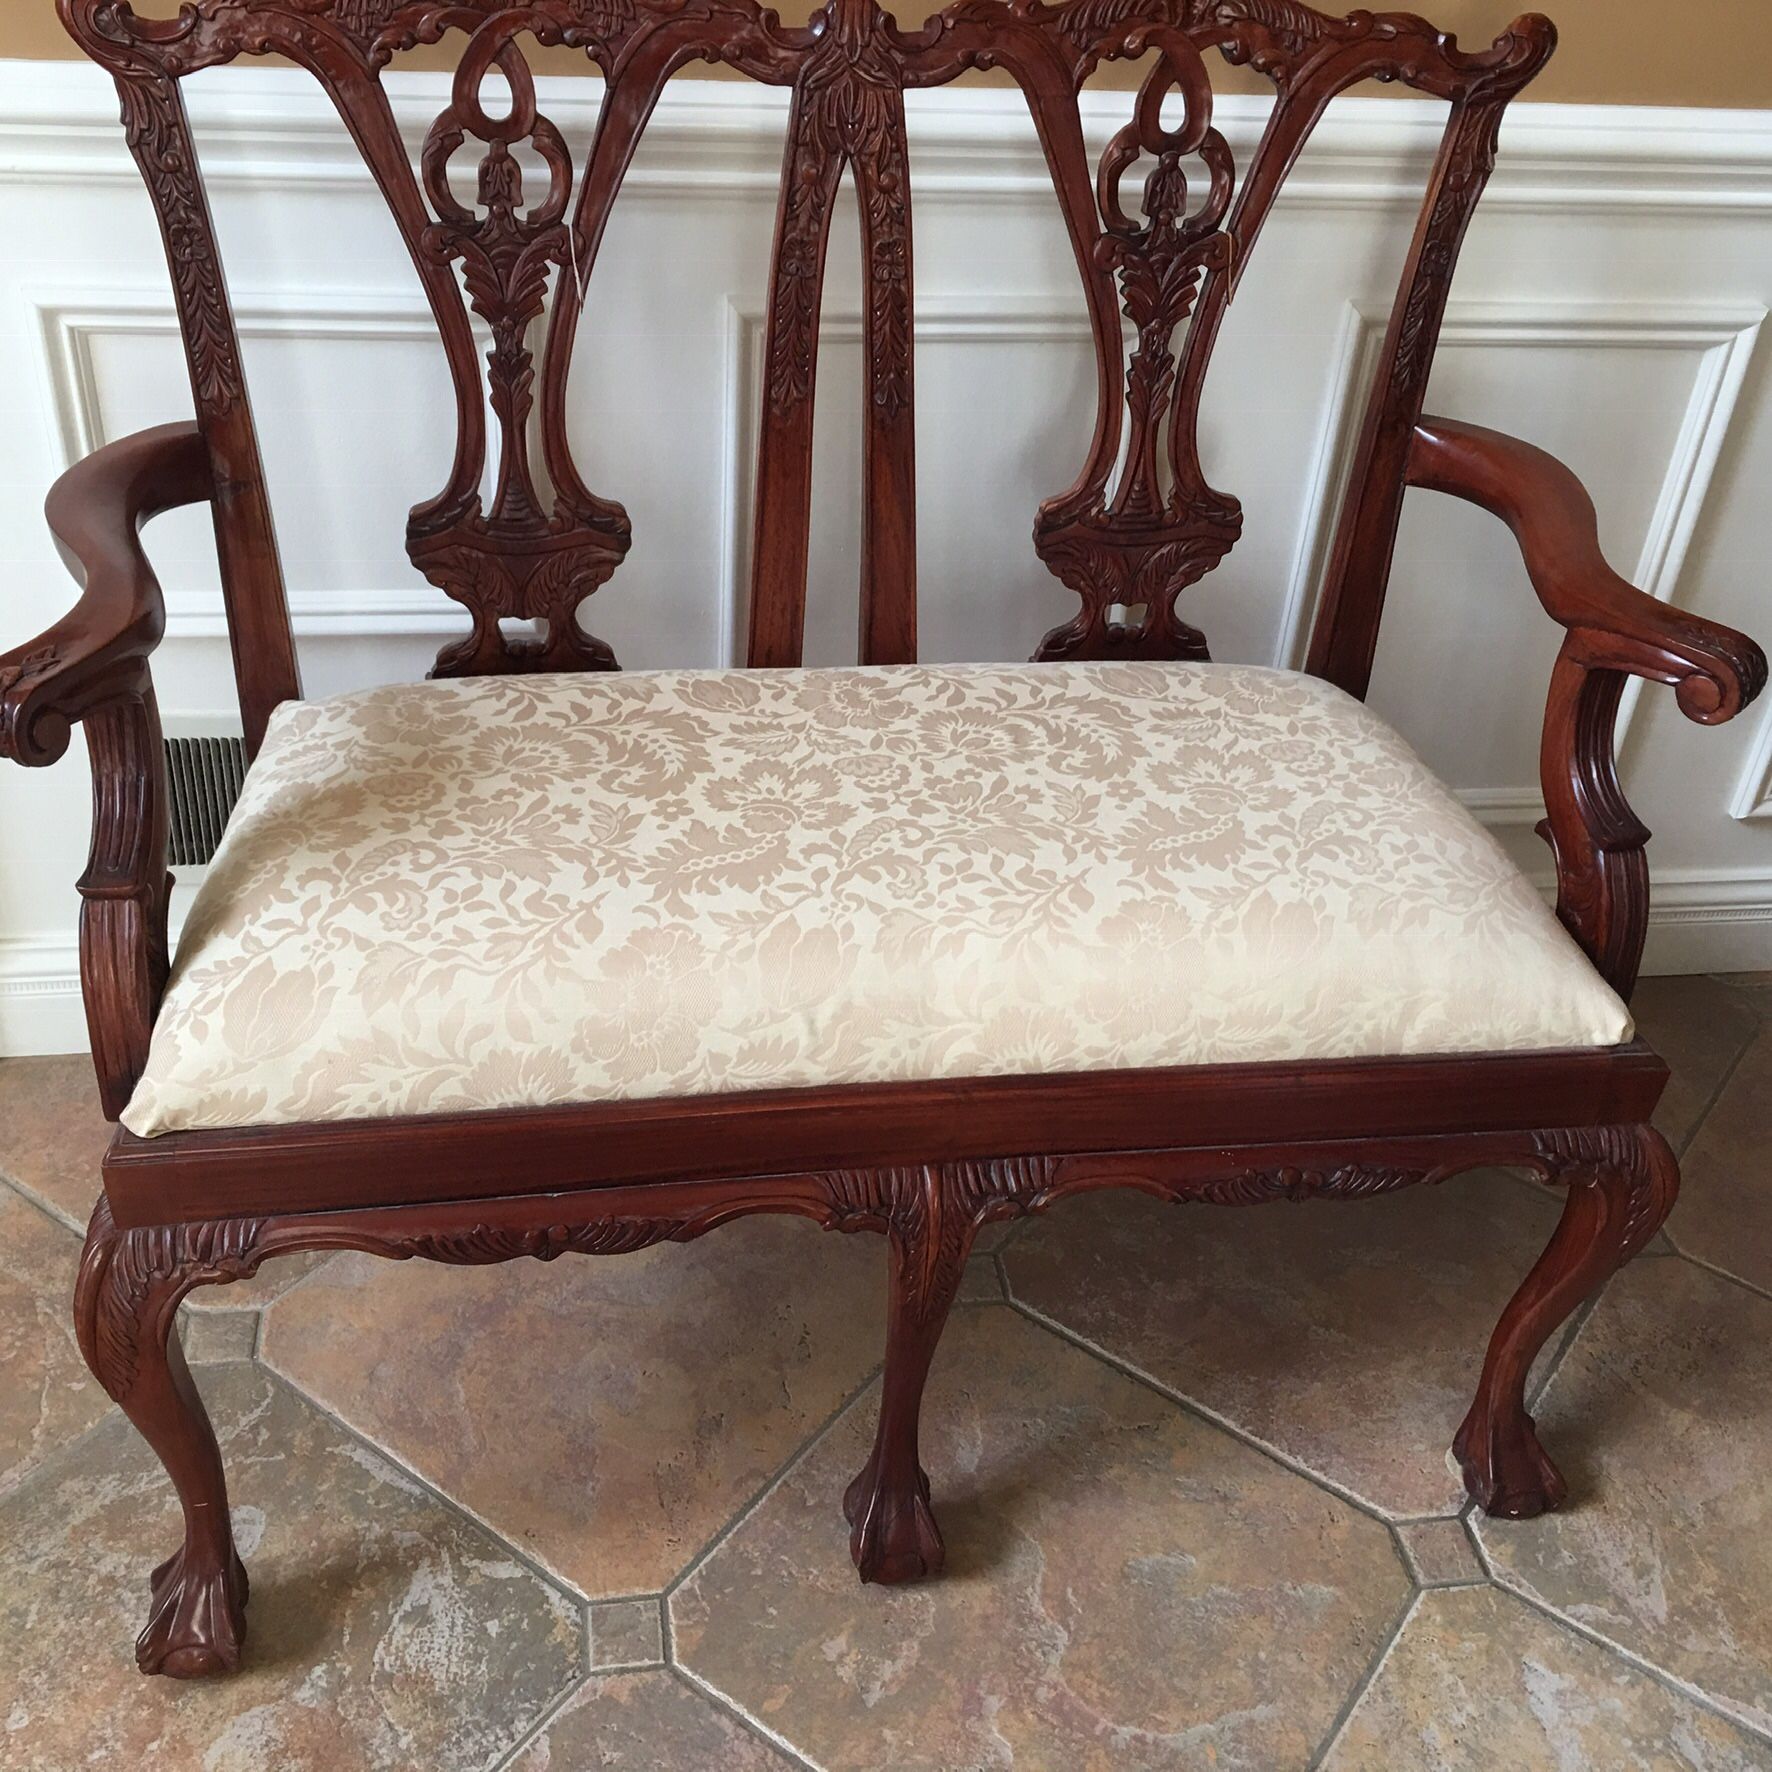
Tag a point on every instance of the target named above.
point(1140, 524)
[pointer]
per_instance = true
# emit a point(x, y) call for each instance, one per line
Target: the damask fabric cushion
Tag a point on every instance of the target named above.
point(482, 894)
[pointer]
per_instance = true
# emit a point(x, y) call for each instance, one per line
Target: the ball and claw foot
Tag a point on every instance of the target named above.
point(1510, 1476)
point(893, 1536)
point(196, 1620)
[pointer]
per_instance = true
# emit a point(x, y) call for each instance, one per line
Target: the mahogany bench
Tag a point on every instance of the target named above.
point(531, 958)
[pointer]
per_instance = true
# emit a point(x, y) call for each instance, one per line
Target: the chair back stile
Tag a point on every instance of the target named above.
point(1140, 524)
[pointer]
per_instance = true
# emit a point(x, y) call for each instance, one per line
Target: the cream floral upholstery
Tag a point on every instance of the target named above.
point(480, 894)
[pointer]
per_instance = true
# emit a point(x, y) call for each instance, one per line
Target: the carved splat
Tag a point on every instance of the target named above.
point(1166, 255)
point(520, 559)
point(1143, 545)
point(848, 114)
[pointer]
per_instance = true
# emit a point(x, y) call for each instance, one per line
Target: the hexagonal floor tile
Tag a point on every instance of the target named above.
point(1347, 1334)
point(1756, 984)
point(609, 1414)
point(647, 1722)
point(385, 1631)
point(55, 1135)
point(1126, 1585)
point(54, 1140)
point(1478, 1680)
point(1724, 1212)
point(47, 1396)
point(1700, 1026)
point(1659, 1417)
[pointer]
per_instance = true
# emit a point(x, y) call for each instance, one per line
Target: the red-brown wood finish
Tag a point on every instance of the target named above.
point(926, 1164)
point(1612, 631)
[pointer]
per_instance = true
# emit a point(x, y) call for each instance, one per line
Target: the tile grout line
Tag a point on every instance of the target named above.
point(112, 1413)
point(1747, 994)
point(1202, 1413)
point(559, 1583)
point(1569, 1334)
point(1002, 1272)
point(748, 1508)
point(1403, 1555)
point(1363, 1685)
point(739, 1714)
point(1716, 1095)
point(554, 1707)
point(551, 1711)
point(45, 1205)
point(667, 1625)
point(1664, 1677)
point(576, 1597)
point(1585, 1312)
point(1722, 1273)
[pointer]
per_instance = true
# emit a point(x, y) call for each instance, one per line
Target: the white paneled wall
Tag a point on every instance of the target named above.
point(1608, 307)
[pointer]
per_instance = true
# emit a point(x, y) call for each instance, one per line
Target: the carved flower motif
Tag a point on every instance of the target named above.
point(27, 666)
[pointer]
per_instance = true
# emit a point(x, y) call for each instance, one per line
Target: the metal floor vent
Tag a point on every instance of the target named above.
point(205, 774)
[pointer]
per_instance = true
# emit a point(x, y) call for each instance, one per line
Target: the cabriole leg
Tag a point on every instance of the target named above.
point(1622, 1181)
point(125, 1306)
point(893, 1535)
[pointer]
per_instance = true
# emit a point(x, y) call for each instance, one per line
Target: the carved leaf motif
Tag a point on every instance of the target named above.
point(28, 667)
point(364, 18)
point(1295, 28)
point(848, 110)
point(850, 72)
point(485, 1243)
point(1582, 1156)
point(889, 274)
point(1473, 161)
point(1351, 1181)
point(173, 1257)
point(793, 312)
point(158, 136)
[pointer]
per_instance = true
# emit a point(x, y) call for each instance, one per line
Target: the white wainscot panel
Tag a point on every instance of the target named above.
point(1606, 309)
point(1638, 399)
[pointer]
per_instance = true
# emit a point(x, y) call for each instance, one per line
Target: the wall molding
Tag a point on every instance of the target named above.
point(1753, 794)
point(67, 321)
point(272, 127)
point(1724, 333)
point(991, 319)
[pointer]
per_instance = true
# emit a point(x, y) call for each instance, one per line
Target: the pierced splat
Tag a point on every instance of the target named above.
point(848, 111)
point(517, 560)
point(539, 543)
point(1141, 547)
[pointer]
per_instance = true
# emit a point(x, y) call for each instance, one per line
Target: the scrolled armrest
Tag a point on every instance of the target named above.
point(97, 651)
point(1714, 670)
point(1614, 630)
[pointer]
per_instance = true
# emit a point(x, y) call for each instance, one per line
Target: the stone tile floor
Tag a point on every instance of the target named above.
point(1190, 1465)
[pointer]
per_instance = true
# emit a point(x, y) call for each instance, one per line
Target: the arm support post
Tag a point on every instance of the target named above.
point(1613, 631)
point(91, 667)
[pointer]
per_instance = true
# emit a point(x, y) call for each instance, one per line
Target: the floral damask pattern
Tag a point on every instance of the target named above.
point(516, 891)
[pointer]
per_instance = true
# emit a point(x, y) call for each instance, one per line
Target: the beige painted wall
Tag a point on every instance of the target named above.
point(1696, 52)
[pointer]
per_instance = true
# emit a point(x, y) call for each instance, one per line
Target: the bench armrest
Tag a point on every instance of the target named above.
point(1614, 630)
point(91, 667)
point(96, 653)
point(1715, 671)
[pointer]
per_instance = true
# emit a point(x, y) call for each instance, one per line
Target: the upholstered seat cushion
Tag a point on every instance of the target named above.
point(461, 895)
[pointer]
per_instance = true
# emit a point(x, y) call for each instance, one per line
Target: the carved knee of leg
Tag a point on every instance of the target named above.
point(126, 1303)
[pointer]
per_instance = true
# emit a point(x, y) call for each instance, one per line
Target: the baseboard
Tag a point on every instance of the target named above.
point(1709, 920)
point(1701, 920)
point(40, 1006)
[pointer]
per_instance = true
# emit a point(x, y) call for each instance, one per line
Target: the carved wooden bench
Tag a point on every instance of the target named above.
point(531, 958)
